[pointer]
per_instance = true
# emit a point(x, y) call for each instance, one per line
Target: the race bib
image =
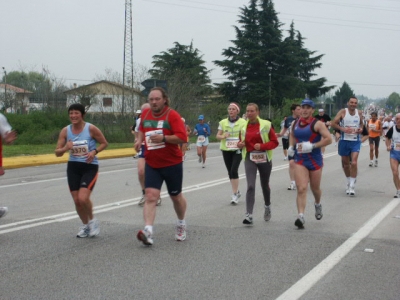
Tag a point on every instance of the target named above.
point(258, 157)
point(372, 126)
point(201, 139)
point(351, 136)
point(231, 143)
point(151, 145)
point(80, 148)
point(396, 147)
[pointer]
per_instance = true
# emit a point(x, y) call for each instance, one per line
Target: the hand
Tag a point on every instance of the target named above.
point(257, 146)
point(10, 137)
point(226, 134)
point(90, 156)
point(290, 151)
point(306, 147)
point(240, 144)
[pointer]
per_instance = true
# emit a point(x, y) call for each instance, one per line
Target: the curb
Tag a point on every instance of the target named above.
point(50, 159)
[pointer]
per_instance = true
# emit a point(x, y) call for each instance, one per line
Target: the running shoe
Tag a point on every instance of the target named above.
point(376, 162)
point(285, 158)
point(300, 222)
point(318, 211)
point(94, 228)
point(83, 231)
point(180, 234)
point(199, 159)
point(145, 237)
point(352, 191)
point(158, 202)
point(371, 163)
point(203, 166)
point(3, 211)
point(248, 220)
point(397, 195)
point(348, 189)
point(141, 201)
point(235, 198)
point(267, 213)
point(292, 186)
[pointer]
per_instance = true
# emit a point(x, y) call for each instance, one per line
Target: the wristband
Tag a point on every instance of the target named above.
point(163, 139)
point(97, 151)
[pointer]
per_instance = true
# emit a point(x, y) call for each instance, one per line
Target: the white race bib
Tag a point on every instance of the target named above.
point(201, 139)
point(231, 143)
point(80, 148)
point(351, 136)
point(396, 147)
point(258, 157)
point(151, 145)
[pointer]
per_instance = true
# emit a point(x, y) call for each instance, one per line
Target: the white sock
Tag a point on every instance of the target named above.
point(348, 180)
point(352, 181)
point(180, 222)
point(149, 228)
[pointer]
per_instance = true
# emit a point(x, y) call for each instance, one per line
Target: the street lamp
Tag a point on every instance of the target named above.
point(269, 104)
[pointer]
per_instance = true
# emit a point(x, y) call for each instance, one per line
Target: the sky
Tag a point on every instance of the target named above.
point(78, 40)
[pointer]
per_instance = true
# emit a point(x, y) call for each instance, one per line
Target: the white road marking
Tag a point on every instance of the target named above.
point(319, 271)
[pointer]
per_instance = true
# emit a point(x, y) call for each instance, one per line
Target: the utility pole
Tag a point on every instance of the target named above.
point(127, 74)
point(269, 104)
point(5, 85)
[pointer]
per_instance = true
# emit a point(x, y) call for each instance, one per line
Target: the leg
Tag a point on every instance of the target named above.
point(83, 204)
point(204, 154)
point(353, 165)
point(149, 208)
point(346, 165)
point(265, 173)
point(315, 183)
point(251, 173)
point(180, 205)
point(140, 167)
point(302, 177)
point(394, 165)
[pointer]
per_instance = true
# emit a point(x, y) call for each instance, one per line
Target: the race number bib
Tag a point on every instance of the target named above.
point(80, 148)
point(396, 147)
point(231, 143)
point(201, 139)
point(372, 126)
point(151, 145)
point(258, 157)
point(351, 136)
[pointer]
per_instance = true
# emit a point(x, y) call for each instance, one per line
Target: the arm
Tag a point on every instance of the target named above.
point(62, 144)
point(335, 122)
point(221, 135)
point(272, 144)
point(388, 140)
point(324, 132)
point(99, 137)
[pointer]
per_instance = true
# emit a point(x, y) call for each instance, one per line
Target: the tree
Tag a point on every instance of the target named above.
point(187, 78)
point(259, 51)
point(393, 102)
point(342, 95)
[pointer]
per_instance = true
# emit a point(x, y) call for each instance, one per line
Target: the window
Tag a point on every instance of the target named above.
point(107, 102)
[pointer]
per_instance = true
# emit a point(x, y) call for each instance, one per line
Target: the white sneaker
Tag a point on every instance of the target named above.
point(397, 195)
point(371, 163)
point(285, 158)
point(352, 191)
point(376, 162)
point(145, 237)
point(3, 211)
point(94, 228)
point(83, 231)
point(158, 202)
point(348, 189)
point(203, 166)
point(235, 198)
point(292, 186)
point(180, 234)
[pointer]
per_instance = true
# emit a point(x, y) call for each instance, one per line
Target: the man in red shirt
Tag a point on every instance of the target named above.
point(162, 130)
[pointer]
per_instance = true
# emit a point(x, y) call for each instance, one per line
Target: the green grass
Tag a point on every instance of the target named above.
point(18, 150)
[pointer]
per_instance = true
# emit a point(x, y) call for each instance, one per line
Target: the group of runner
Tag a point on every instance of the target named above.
point(161, 130)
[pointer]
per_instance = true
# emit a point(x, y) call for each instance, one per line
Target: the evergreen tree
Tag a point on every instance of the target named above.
point(259, 50)
point(342, 96)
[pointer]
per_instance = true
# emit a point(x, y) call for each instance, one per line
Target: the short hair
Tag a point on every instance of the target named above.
point(294, 106)
point(374, 113)
point(255, 105)
point(163, 93)
point(77, 106)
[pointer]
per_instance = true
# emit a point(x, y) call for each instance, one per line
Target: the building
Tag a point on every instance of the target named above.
point(14, 99)
point(105, 96)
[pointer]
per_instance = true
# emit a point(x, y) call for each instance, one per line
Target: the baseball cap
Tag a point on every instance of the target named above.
point(201, 117)
point(308, 102)
point(321, 110)
point(138, 111)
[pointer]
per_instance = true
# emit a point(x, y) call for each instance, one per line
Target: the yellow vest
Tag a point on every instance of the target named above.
point(234, 132)
point(265, 126)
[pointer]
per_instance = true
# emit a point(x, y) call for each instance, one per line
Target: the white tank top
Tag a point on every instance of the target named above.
point(395, 140)
point(353, 122)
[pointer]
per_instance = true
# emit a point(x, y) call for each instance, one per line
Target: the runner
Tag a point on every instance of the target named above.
point(202, 131)
point(185, 146)
point(163, 130)
point(324, 118)
point(229, 134)
point(350, 122)
point(141, 160)
point(295, 108)
point(285, 139)
point(308, 136)
point(258, 139)
point(80, 139)
point(393, 145)
point(9, 136)
point(375, 132)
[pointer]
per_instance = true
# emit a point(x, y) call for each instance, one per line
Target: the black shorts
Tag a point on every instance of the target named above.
point(374, 140)
point(81, 175)
point(172, 175)
point(285, 144)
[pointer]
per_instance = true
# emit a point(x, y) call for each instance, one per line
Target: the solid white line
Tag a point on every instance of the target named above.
point(312, 277)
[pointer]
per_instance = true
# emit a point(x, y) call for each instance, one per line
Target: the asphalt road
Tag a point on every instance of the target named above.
point(221, 259)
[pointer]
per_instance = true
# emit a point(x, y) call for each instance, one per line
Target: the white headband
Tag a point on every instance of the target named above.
point(235, 105)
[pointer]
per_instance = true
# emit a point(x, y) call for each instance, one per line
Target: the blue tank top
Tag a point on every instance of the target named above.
point(307, 134)
point(83, 143)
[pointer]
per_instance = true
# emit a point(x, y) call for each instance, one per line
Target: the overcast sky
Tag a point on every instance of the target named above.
point(77, 40)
